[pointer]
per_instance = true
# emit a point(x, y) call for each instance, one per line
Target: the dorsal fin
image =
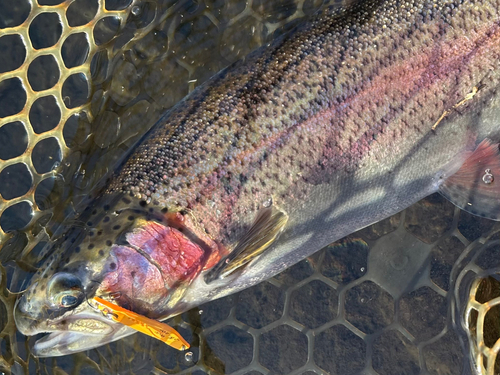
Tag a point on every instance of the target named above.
point(475, 187)
point(266, 227)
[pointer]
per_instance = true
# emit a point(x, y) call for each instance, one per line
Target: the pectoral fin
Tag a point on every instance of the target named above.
point(266, 228)
point(475, 187)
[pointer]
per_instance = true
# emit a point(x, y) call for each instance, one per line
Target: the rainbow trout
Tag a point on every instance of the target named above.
point(351, 117)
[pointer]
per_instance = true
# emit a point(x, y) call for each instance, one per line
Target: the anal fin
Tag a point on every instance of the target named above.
point(266, 228)
point(475, 187)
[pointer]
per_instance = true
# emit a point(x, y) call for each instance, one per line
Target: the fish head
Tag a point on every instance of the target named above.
point(57, 302)
point(66, 315)
point(142, 258)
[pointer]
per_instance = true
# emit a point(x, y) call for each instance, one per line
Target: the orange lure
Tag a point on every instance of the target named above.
point(150, 327)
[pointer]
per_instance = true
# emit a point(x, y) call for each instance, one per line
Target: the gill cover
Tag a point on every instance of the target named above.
point(152, 267)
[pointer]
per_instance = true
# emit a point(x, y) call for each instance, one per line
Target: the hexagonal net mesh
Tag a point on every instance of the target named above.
point(389, 299)
point(82, 80)
point(482, 312)
point(44, 86)
point(486, 345)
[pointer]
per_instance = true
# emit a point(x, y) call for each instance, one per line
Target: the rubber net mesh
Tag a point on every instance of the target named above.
point(82, 80)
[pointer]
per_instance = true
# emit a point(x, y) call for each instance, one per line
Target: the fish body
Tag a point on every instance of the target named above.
point(348, 119)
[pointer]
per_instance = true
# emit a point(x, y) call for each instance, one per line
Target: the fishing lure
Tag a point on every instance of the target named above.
point(150, 327)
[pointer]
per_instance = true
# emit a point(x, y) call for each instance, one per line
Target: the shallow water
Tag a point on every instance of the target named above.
point(388, 300)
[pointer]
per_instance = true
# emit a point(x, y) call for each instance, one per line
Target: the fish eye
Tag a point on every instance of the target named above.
point(69, 301)
point(64, 290)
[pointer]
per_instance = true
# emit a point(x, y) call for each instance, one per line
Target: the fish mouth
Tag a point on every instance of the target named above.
point(60, 343)
point(72, 332)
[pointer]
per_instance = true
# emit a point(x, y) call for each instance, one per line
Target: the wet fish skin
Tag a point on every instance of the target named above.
point(333, 122)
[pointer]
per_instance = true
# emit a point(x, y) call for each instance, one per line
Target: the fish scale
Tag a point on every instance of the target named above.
point(222, 143)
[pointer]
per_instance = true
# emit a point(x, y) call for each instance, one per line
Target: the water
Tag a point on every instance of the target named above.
point(383, 301)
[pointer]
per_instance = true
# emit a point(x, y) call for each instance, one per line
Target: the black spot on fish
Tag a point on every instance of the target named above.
point(106, 207)
point(109, 243)
point(101, 253)
point(42, 288)
point(89, 223)
point(106, 219)
point(99, 233)
point(116, 227)
point(143, 203)
point(164, 210)
point(90, 247)
point(130, 218)
point(112, 266)
point(126, 200)
point(77, 249)
point(91, 234)
point(94, 212)
point(151, 210)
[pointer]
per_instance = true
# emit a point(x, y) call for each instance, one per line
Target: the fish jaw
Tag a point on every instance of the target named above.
point(65, 343)
point(75, 331)
point(61, 343)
